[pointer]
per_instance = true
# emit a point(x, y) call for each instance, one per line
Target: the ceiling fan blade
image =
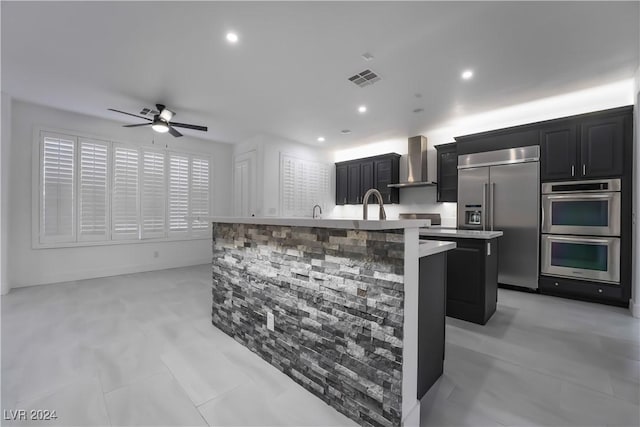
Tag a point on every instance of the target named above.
point(174, 132)
point(133, 126)
point(129, 114)
point(187, 126)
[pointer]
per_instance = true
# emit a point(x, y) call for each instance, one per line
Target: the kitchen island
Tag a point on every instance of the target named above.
point(343, 296)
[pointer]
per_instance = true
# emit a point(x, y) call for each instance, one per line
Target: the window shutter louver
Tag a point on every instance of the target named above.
point(199, 195)
point(57, 193)
point(178, 193)
point(153, 198)
point(93, 191)
point(125, 193)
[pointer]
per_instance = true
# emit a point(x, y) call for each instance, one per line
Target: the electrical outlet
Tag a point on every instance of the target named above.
point(270, 321)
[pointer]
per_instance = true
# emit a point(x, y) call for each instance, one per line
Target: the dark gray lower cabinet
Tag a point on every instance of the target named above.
point(472, 279)
point(431, 322)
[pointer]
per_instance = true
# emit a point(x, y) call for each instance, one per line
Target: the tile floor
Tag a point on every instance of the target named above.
point(140, 349)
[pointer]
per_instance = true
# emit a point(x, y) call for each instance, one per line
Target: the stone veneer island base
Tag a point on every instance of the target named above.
point(344, 296)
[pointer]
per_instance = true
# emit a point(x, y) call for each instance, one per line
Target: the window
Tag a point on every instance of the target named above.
point(125, 193)
point(303, 184)
point(153, 194)
point(57, 195)
point(93, 191)
point(178, 193)
point(93, 188)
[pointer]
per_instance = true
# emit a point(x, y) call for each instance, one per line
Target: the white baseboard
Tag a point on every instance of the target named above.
point(634, 307)
point(112, 271)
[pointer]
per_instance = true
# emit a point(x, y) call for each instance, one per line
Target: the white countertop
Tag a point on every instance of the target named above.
point(432, 247)
point(349, 224)
point(460, 234)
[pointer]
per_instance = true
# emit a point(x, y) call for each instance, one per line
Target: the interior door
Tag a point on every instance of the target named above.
point(515, 200)
point(244, 185)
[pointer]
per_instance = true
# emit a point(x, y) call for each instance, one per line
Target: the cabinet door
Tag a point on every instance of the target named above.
point(383, 176)
point(354, 184)
point(366, 179)
point(342, 182)
point(447, 174)
point(558, 153)
point(602, 147)
point(465, 267)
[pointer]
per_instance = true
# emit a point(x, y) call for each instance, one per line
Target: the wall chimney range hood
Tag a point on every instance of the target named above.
point(416, 164)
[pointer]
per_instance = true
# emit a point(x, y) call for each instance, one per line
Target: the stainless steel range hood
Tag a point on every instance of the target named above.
point(416, 164)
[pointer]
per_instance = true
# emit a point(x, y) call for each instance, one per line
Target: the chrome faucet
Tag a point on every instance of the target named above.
point(314, 210)
point(365, 206)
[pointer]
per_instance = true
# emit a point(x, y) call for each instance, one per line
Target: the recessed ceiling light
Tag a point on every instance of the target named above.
point(232, 37)
point(467, 74)
point(345, 131)
point(321, 139)
point(367, 56)
point(362, 109)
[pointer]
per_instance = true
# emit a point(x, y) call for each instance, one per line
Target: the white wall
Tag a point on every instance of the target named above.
point(423, 199)
point(5, 140)
point(268, 149)
point(635, 289)
point(29, 266)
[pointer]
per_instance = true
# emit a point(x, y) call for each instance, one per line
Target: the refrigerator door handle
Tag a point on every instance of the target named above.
point(484, 206)
point(493, 203)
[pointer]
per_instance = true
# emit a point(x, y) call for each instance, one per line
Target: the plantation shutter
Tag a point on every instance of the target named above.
point(154, 196)
point(199, 196)
point(178, 193)
point(125, 193)
point(57, 192)
point(93, 191)
point(303, 184)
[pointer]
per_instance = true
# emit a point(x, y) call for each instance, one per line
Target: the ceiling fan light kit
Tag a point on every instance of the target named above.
point(161, 122)
point(160, 126)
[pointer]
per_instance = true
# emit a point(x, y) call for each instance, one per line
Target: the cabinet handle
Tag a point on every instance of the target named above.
point(573, 170)
point(556, 283)
point(584, 169)
point(599, 291)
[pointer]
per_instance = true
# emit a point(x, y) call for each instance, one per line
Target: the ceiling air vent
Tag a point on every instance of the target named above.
point(365, 78)
point(146, 111)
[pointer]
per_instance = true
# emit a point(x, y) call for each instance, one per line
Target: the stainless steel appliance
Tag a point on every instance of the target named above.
point(590, 208)
point(579, 257)
point(581, 226)
point(499, 190)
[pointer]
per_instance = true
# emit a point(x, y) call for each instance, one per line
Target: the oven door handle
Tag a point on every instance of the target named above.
point(579, 239)
point(580, 197)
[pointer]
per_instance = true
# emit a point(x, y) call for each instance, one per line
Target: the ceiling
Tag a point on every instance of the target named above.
point(287, 76)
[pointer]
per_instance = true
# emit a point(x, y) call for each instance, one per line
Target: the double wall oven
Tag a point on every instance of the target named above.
point(581, 230)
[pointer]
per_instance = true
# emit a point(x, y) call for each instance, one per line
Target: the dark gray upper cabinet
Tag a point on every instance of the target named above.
point(354, 185)
point(558, 153)
point(342, 178)
point(584, 147)
point(602, 147)
point(355, 177)
point(447, 163)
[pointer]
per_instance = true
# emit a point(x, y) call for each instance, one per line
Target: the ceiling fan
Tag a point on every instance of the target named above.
point(161, 121)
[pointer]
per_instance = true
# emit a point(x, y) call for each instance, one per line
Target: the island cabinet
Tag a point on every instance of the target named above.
point(587, 146)
point(472, 278)
point(355, 177)
point(447, 163)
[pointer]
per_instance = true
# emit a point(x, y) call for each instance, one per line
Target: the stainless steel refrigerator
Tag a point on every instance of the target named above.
point(500, 190)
